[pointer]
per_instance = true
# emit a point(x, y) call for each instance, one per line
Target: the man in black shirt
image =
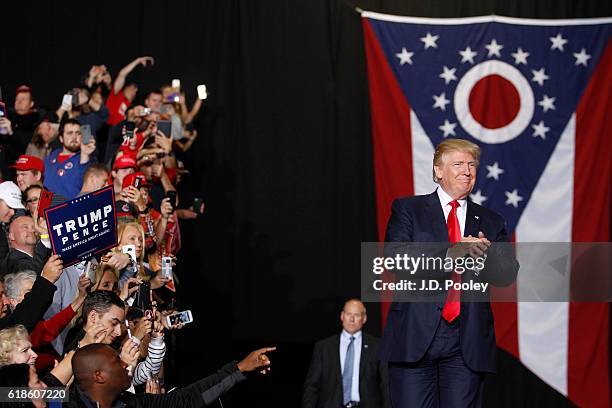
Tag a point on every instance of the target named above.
point(101, 379)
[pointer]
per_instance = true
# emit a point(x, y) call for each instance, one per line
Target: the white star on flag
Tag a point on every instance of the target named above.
point(558, 42)
point(467, 55)
point(513, 198)
point(405, 56)
point(430, 40)
point(448, 128)
point(547, 103)
point(448, 74)
point(494, 171)
point(520, 57)
point(494, 48)
point(582, 57)
point(440, 101)
point(478, 198)
point(539, 76)
point(540, 130)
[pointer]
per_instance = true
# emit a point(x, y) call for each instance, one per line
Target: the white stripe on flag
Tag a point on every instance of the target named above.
point(422, 153)
point(543, 327)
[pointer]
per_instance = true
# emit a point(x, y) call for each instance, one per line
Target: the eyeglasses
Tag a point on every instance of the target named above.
point(32, 200)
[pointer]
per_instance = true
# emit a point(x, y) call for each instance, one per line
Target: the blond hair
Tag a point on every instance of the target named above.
point(100, 270)
point(97, 278)
point(121, 230)
point(9, 338)
point(454, 145)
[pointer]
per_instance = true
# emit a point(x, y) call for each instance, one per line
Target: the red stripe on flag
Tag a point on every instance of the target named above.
point(391, 139)
point(588, 371)
point(506, 317)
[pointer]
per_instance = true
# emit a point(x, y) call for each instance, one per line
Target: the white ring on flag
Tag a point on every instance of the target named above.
point(462, 106)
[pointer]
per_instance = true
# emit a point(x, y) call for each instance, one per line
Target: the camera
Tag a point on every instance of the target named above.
point(143, 299)
point(166, 267)
point(74, 93)
point(129, 129)
point(137, 182)
point(171, 195)
point(179, 318)
point(197, 205)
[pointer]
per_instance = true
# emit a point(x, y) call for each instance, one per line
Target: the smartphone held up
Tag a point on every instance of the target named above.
point(86, 132)
point(166, 267)
point(179, 318)
point(202, 94)
point(129, 129)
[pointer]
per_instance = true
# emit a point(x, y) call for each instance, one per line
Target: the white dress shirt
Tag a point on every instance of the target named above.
point(445, 201)
point(345, 339)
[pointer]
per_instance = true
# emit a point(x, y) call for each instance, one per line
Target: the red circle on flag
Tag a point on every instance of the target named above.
point(494, 102)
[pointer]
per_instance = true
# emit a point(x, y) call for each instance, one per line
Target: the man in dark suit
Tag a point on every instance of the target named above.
point(345, 370)
point(27, 251)
point(439, 350)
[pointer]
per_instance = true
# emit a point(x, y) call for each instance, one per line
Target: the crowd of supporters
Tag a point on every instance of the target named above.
point(55, 319)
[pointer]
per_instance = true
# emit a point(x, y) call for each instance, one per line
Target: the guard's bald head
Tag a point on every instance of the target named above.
point(89, 359)
point(355, 302)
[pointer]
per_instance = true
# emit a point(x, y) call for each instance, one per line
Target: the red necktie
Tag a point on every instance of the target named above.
point(453, 303)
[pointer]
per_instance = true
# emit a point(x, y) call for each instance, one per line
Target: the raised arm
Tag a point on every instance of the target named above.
point(31, 310)
point(186, 114)
point(125, 71)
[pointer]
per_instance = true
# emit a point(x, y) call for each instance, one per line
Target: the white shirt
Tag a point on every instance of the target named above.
point(345, 339)
point(445, 201)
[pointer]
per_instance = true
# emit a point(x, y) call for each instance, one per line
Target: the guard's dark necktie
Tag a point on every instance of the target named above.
point(453, 298)
point(347, 373)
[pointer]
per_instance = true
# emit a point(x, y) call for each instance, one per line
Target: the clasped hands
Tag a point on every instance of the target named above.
point(474, 247)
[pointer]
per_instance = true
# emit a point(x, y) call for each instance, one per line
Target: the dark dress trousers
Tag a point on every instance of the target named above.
point(412, 326)
point(323, 385)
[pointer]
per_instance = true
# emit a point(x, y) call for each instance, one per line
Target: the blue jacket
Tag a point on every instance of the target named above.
point(65, 178)
point(411, 326)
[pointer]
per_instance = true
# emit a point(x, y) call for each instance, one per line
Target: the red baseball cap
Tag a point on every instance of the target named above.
point(25, 162)
point(129, 180)
point(125, 161)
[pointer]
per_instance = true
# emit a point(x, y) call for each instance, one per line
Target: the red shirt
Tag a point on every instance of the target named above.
point(117, 104)
point(62, 157)
point(46, 331)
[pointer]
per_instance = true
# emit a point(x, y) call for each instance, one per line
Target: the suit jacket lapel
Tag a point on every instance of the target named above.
point(472, 220)
point(436, 215)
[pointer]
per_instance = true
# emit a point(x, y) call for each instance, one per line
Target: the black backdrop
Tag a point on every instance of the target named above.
point(283, 160)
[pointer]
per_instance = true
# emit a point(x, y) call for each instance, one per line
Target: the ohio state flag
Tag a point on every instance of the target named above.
point(535, 95)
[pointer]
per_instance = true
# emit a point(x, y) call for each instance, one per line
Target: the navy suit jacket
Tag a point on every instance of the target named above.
point(411, 326)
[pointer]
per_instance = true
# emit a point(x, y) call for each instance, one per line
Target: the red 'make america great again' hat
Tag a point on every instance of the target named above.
point(25, 162)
